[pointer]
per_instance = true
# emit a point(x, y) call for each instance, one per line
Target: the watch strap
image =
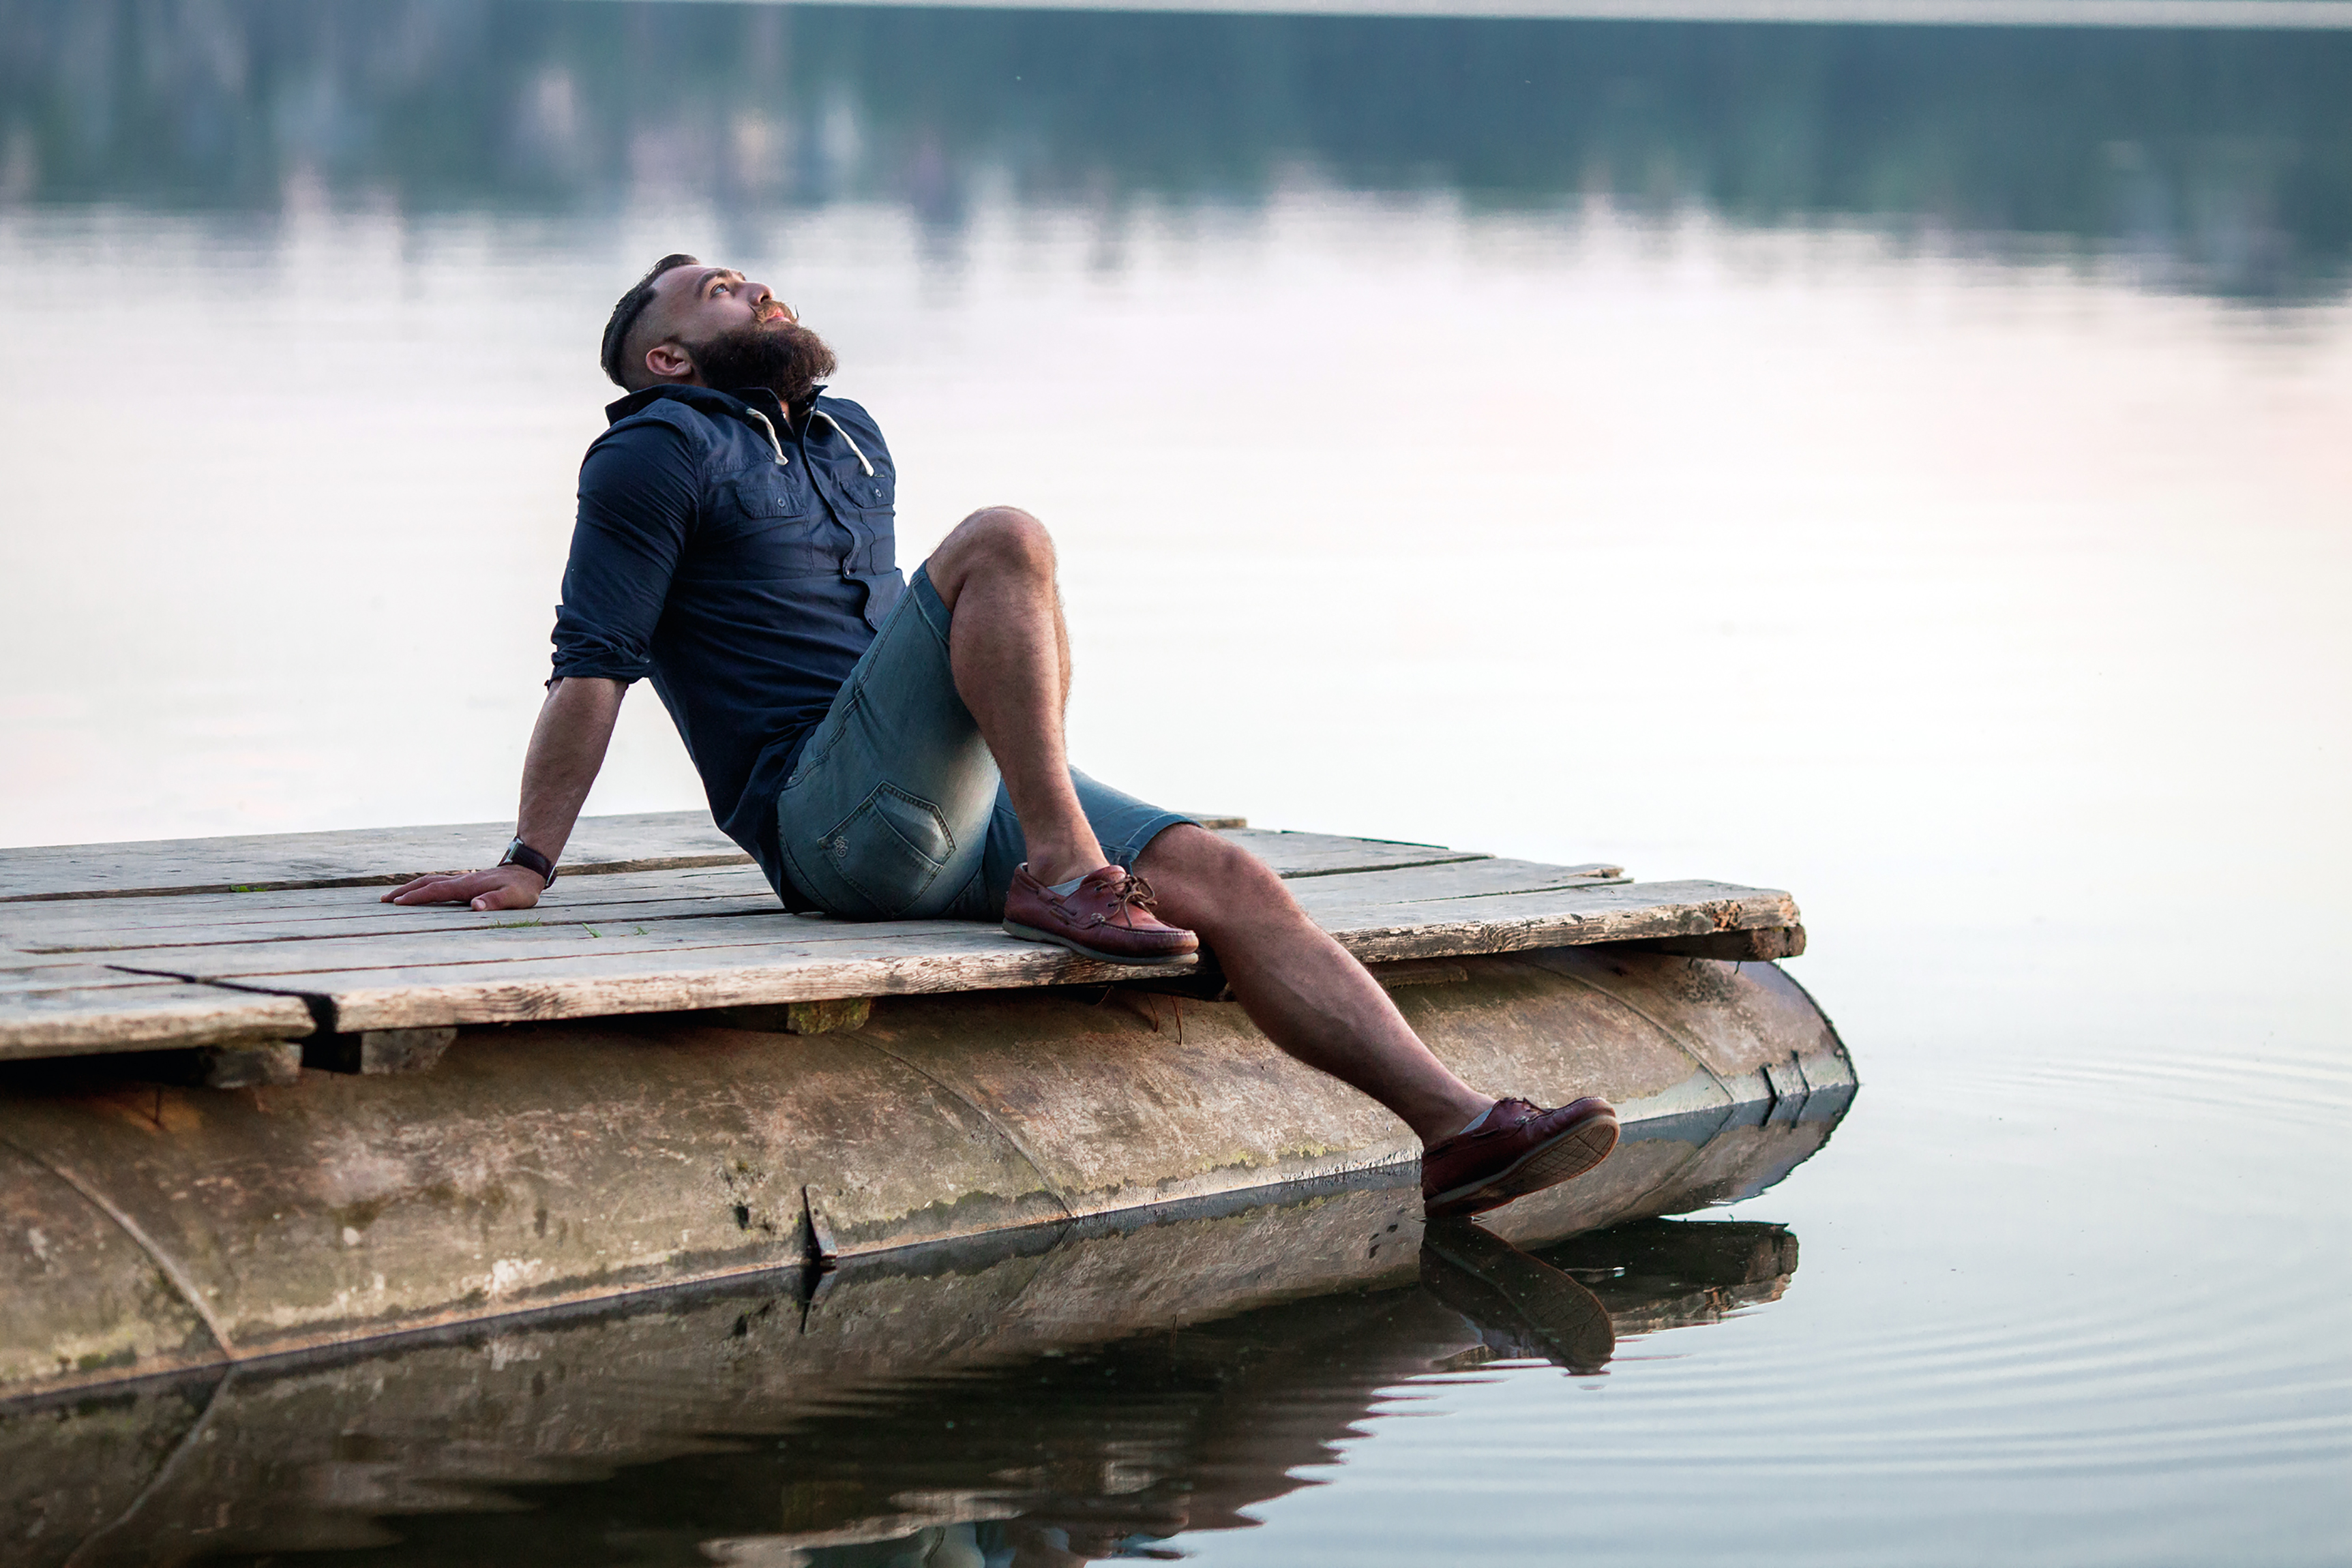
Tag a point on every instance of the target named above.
point(522, 854)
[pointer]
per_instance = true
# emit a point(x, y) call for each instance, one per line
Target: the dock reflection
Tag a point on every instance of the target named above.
point(1107, 1451)
point(1042, 1397)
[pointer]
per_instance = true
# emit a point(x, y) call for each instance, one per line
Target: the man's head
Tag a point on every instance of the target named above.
point(685, 324)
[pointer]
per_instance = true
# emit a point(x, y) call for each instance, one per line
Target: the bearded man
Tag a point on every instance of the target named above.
point(889, 750)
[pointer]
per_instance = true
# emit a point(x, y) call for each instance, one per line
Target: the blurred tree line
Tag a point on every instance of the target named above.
point(2223, 160)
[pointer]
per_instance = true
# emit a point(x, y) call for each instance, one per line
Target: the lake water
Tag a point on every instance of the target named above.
point(1907, 466)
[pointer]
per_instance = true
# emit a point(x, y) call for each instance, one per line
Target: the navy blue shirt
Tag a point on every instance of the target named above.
point(742, 566)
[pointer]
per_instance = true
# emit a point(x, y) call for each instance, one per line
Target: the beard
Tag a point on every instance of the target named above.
point(788, 359)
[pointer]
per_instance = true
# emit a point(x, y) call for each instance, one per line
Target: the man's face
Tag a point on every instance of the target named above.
point(695, 304)
point(713, 326)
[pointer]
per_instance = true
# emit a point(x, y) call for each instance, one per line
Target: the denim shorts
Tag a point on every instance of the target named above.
point(896, 810)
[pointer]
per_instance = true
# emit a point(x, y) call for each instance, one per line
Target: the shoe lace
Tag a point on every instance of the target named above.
point(1130, 891)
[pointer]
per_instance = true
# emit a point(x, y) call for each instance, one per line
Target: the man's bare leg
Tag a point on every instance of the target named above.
point(1297, 984)
point(1010, 652)
point(1011, 655)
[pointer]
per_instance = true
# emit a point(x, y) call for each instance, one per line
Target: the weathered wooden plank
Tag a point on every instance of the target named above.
point(362, 857)
point(471, 939)
point(353, 858)
point(1402, 972)
point(731, 963)
point(953, 956)
point(53, 973)
point(1458, 879)
point(756, 937)
point(149, 924)
point(120, 1012)
point(96, 924)
point(1766, 944)
point(1329, 854)
point(1569, 917)
point(165, 911)
point(249, 866)
point(370, 921)
point(443, 937)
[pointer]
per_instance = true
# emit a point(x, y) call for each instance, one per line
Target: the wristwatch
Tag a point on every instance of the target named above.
point(522, 854)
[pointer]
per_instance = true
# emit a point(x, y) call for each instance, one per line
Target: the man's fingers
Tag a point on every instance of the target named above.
point(442, 889)
point(506, 896)
point(501, 887)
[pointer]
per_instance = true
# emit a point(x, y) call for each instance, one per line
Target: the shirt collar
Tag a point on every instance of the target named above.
point(711, 400)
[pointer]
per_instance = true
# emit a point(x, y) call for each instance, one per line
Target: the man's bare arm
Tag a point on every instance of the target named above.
point(567, 747)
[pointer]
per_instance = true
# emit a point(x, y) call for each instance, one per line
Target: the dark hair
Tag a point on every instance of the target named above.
point(633, 304)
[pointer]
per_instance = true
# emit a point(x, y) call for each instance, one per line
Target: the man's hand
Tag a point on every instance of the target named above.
point(567, 747)
point(501, 887)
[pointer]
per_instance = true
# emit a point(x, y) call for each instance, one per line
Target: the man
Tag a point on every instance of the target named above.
point(887, 749)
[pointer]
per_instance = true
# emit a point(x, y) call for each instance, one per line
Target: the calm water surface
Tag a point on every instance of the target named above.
point(1907, 467)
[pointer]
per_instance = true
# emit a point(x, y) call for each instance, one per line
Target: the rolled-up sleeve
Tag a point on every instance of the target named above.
point(637, 502)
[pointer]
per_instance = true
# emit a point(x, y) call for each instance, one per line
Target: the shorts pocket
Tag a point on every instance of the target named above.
point(888, 850)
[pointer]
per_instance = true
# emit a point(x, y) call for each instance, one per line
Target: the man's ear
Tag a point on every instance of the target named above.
point(665, 362)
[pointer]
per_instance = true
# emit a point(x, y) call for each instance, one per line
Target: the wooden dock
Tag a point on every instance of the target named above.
point(443, 1117)
point(251, 942)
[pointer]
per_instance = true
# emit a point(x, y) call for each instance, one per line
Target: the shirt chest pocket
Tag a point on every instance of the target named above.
point(868, 494)
point(847, 485)
point(768, 522)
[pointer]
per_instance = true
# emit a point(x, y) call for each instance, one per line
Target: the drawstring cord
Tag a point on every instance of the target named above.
point(862, 462)
point(781, 460)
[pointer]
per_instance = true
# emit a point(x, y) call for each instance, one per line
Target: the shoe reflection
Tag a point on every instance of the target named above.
point(1522, 1307)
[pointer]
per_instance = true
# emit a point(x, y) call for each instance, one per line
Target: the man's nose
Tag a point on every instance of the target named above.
point(761, 296)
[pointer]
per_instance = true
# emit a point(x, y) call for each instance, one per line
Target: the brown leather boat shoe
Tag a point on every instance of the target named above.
point(1520, 1148)
point(1108, 916)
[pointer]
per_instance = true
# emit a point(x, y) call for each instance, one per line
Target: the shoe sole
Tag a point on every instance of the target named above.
point(1574, 1151)
point(1031, 933)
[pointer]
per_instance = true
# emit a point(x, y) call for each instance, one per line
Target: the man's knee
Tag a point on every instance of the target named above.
point(994, 539)
point(1204, 868)
point(1005, 537)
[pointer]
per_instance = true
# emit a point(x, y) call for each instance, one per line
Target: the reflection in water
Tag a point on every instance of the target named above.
point(1027, 1398)
point(1521, 1305)
point(2211, 160)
